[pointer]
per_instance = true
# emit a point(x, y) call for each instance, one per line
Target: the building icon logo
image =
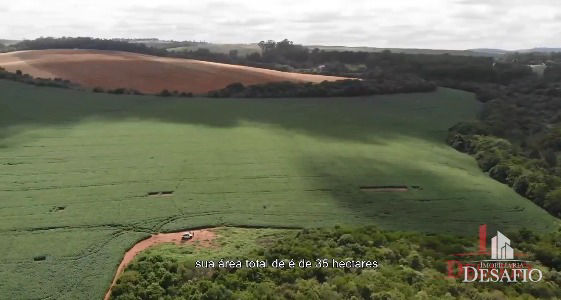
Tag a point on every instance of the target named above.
point(500, 247)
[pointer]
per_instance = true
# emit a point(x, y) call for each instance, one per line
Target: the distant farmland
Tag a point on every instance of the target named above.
point(242, 49)
point(84, 176)
point(145, 73)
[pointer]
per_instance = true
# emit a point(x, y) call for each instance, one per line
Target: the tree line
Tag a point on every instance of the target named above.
point(340, 88)
point(84, 43)
point(19, 76)
point(412, 266)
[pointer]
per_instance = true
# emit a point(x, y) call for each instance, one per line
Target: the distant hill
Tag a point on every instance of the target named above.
point(245, 49)
point(502, 52)
point(8, 42)
point(541, 50)
point(160, 44)
point(400, 50)
point(115, 69)
point(490, 51)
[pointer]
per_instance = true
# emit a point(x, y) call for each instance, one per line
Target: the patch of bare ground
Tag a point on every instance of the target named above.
point(201, 238)
point(385, 188)
point(160, 194)
point(145, 73)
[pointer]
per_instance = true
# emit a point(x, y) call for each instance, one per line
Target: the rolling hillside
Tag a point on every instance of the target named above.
point(84, 176)
point(145, 73)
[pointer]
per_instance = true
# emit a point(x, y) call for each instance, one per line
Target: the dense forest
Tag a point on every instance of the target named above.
point(517, 139)
point(411, 266)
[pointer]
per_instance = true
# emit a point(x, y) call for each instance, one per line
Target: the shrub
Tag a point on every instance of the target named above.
point(165, 93)
point(487, 159)
point(537, 191)
point(469, 128)
point(521, 185)
point(552, 202)
point(117, 91)
point(500, 172)
point(459, 142)
point(345, 239)
point(514, 173)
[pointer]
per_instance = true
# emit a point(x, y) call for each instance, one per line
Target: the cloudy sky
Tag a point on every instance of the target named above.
point(449, 24)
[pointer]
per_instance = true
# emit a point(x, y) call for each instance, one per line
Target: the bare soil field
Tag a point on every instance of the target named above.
point(385, 188)
point(145, 73)
point(201, 238)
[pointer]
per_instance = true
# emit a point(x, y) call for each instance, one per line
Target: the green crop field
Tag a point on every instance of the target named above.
point(77, 169)
point(243, 49)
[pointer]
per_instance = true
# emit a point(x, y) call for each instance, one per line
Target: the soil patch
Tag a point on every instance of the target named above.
point(160, 194)
point(385, 188)
point(145, 73)
point(201, 238)
point(57, 208)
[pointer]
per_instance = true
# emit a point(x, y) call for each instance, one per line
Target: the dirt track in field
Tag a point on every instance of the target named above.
point(201, 238)
point(145, 73)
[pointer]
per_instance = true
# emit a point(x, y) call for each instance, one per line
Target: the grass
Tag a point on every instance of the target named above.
point(243, 49)
point(403, 50)
point(257, 162)
point(230, 243)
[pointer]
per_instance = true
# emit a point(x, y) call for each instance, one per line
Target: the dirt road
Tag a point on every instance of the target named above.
point(202, 238)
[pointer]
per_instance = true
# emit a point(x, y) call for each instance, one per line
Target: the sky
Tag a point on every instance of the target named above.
point(436, 24)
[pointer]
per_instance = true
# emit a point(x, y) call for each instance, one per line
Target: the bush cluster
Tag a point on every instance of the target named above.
point(167, 93)
point(117, 91)
point(19, 76)
point(339, 88)
point(412, 266)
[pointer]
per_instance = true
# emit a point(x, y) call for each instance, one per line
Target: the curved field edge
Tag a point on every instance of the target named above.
point(77, 169)
point(145, 73)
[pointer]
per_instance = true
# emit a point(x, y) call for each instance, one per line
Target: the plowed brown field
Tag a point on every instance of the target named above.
point(145, 73)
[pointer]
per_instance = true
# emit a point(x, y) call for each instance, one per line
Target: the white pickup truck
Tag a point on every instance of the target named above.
point(187, 236)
